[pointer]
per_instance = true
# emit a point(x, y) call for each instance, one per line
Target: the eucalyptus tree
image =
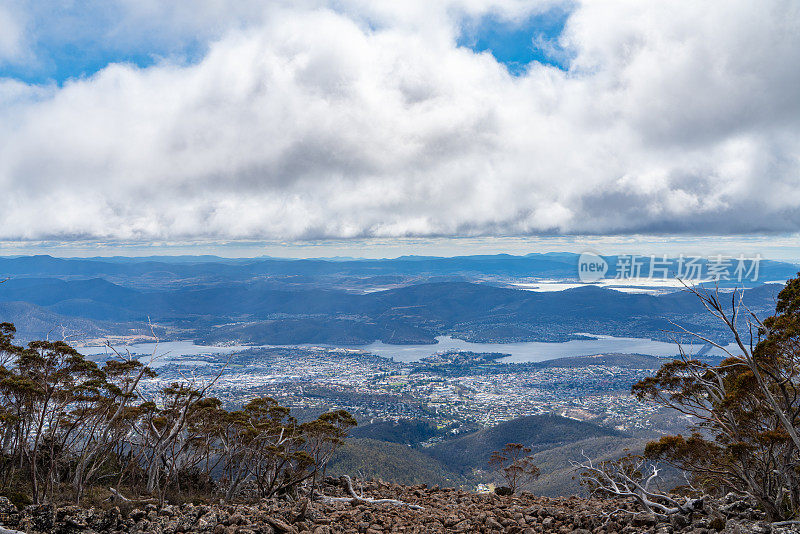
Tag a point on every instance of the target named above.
point(64, 420)
point(745, 410)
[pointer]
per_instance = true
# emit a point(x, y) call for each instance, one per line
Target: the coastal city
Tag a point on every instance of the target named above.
point(453, 389)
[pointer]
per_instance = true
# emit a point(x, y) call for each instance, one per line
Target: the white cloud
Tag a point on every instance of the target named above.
point(11, 36)
point(302, 121)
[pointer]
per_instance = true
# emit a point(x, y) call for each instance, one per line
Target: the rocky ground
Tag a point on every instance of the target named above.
point(444, 510)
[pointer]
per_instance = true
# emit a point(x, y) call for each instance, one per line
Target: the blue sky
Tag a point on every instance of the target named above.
point(77, 39)
point(67, 39)
point(516, 43)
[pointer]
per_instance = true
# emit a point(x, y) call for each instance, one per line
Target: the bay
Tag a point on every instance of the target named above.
point(528, 351)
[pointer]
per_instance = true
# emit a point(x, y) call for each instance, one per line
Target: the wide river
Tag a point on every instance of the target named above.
point(519, 352)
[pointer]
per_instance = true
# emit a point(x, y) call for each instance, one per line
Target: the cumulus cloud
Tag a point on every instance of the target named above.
point(11, 36)
point(304, 120)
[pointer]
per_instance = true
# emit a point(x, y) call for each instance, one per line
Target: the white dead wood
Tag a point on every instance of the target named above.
point(616, 482)
point(118, 495)
point(356, 498)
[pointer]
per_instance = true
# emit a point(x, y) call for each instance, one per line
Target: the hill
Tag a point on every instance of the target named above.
point(177, 271)
point(381, 460)
point(540, 432)
point(463, 461)
point(260, 313)
point(405, 431)
point(36, 322)
point(625, 361)
point(558, 475)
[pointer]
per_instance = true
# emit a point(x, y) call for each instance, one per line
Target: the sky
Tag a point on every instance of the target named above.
point(353, 121)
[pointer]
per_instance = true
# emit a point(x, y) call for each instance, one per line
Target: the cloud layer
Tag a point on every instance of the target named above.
point(305, 120)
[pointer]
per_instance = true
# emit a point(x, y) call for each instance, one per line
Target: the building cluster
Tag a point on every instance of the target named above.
point(312, 380)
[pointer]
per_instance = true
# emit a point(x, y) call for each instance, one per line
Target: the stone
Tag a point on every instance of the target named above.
point(136, 514)
point(280, 525)
point(678, 521)
point(761, 528)
point(493, 524)
point(41, 517)
point(445, 511)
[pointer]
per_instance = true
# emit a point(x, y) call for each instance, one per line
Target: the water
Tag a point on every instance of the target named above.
point(529, 351)
point(166, 351)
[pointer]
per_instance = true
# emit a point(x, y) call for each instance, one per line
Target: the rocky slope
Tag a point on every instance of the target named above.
point(444, 510)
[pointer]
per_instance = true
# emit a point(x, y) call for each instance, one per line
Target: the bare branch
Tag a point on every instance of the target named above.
point(355, 498)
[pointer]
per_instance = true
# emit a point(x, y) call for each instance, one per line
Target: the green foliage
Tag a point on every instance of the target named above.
point(66, 422)
point(746, 409)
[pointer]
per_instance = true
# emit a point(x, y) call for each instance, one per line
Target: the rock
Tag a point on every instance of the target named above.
point(136, 514)
point(207, 523)
point(717, 523)
point(678, 521)
point(167, 510)
point(761, 528)
point(643, 520)
point(280, 525)
point(446, 510)
point(493, 524)
point(108, 520)
point(70, 519)
point(40, 517)
point(461, 526)
point(9, 515)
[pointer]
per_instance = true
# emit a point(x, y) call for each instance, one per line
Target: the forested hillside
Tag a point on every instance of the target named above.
point(261, 314)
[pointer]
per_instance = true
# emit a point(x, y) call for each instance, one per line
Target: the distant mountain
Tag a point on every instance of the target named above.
point(323, 330)
point(179, 271)
point(258, 312)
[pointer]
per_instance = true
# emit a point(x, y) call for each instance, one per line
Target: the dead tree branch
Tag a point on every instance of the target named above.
point(356, 498)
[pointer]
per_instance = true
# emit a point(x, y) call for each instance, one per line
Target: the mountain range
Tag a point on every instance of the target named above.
point(247, 302)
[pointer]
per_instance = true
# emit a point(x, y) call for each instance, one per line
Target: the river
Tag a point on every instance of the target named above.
point(528, 351)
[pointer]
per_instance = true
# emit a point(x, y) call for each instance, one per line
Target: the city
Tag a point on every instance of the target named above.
point(452, 394)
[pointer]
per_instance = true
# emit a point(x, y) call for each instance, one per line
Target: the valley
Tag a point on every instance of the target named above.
point(441, 360)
